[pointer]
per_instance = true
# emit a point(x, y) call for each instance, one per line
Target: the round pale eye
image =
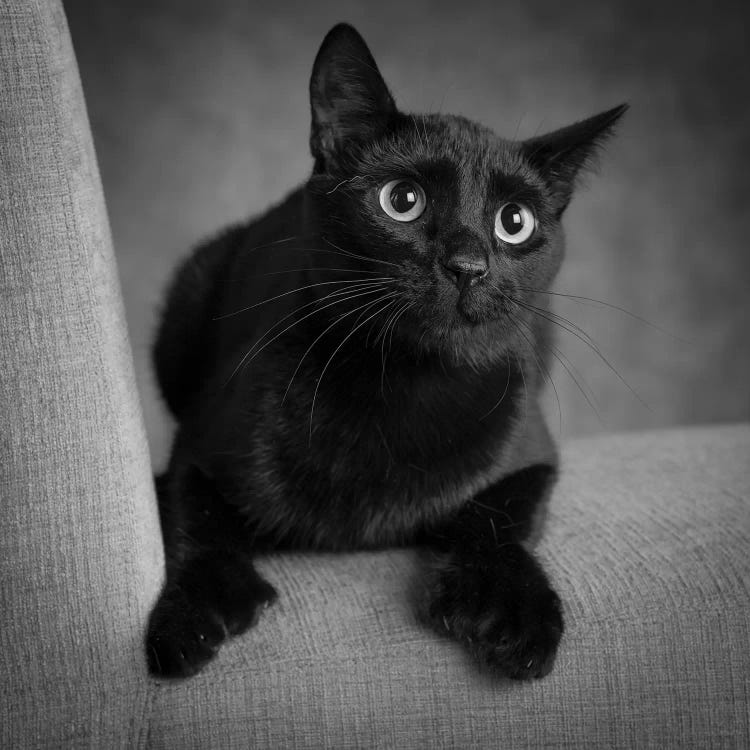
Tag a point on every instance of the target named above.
point(402, 200)
point(514, 223)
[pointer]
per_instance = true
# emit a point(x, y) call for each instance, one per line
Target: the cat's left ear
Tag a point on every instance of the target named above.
point(561, 155)
point(349, 100)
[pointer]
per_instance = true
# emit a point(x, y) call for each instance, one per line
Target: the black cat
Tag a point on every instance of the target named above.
point(360, 367)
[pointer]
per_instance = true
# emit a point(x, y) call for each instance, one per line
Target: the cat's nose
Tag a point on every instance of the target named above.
point(463, 270)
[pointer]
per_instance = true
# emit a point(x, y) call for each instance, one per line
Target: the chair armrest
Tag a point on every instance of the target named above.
point(80, 551)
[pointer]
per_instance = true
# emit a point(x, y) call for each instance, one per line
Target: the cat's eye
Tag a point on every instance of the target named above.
point(514, 223)
point(402, 200)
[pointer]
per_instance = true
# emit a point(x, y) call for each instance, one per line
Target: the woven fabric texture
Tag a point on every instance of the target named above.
point(647, 542)
point(647, 539)
point(79, 539)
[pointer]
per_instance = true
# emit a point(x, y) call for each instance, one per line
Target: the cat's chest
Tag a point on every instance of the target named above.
point(382, 465)
point(358, 457)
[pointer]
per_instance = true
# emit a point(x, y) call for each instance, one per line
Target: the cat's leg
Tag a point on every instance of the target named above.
point(488, 590)
point(212, 589)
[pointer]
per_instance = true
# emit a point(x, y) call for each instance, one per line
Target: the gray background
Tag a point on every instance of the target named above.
point(200, 117)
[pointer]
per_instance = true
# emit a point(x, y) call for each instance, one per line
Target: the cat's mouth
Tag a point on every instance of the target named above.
point(478, 303)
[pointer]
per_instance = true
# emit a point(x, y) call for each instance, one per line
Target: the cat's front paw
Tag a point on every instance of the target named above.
point(215, 599)
point(513, 624)
point(182, 637)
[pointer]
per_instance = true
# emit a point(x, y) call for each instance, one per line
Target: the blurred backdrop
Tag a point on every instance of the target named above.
point(200, 117)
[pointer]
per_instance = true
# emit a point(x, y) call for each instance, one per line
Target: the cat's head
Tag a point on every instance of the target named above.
point(463, 225)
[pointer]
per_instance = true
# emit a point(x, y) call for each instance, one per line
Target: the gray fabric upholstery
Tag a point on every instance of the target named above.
point(647, 539)
point(80, 556)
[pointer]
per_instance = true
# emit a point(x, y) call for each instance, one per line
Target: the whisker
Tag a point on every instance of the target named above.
point(419, 132)
point(377, 336)
point(424, 127)
point(245, 359)
point(579, 298)
point(342, 253)
point(505, 390)
point(542, 367)
point(343, 182)
point(384, 327)
point(572, 371)
point(591, 402)
point(390, 302)
point(306, 239)
point(586, 339)
point(587, 393)
point(272, 244)
point(354, 255)
point(369, 333)
point(300, 289)
point(575, 374)
point(560, 319)
point(392, 321)
point(408, 306)
point(525, 389)
point(338, 293)
point(306, 248)
point(381, 335)
point(308, 268)
point(359, 309)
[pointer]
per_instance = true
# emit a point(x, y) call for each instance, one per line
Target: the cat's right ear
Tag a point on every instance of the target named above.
point(349, 100)
point(561, 155)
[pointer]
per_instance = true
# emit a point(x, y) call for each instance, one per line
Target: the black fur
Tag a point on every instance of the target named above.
point(403, 410)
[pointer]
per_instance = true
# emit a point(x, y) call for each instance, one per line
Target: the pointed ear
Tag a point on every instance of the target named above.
point(561, 155)
point(349, 100)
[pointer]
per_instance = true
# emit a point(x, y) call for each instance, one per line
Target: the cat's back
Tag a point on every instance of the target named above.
point(221, 274)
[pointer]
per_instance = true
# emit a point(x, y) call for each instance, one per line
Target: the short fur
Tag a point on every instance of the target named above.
point(342, 380)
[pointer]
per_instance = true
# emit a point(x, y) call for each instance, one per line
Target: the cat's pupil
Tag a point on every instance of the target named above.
point(511, 218)
point(403, 197)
